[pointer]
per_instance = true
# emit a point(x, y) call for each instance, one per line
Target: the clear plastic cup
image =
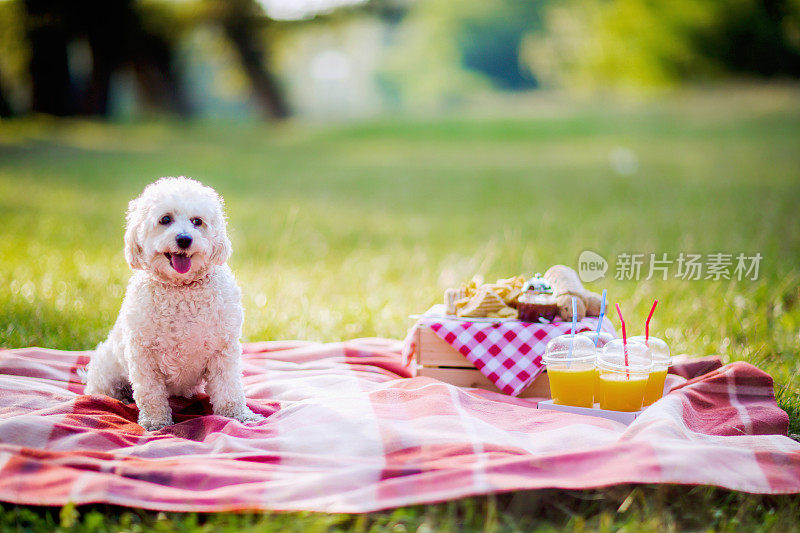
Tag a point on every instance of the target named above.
point(661, 363)
point(603, 337)
point(599, 340)
point(571, 374)
point(621, 385)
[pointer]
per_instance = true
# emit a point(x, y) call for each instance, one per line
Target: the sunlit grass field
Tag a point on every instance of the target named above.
point(343, 231)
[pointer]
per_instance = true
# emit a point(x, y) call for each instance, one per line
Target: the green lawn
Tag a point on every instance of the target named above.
point(342, 231)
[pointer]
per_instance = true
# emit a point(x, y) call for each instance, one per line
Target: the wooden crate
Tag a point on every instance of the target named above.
point(439, 360)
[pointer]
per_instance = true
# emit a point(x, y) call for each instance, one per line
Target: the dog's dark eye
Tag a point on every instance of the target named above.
point(166, 219)
point(197, 222)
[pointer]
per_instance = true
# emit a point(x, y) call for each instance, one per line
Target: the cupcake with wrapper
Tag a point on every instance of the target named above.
point(537, 300)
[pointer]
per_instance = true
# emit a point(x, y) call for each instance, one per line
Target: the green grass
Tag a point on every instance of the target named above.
point(342, 231)
point(641, 508)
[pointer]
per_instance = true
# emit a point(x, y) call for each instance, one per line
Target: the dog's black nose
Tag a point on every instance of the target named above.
point(183, 240)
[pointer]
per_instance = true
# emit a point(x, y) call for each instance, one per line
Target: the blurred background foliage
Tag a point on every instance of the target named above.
point(632, 43)
point(345, 58)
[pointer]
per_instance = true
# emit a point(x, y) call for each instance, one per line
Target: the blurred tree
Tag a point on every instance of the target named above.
point(489, 40)
point(448, 48)
point(5, 107)
point(141, 35)
point(48, 32)
point(13, 58)
point(761, 37)
point(655, 42)
point(244, 22)
point(116, 37)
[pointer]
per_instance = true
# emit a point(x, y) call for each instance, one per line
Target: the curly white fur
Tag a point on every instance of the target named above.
point(177, 333)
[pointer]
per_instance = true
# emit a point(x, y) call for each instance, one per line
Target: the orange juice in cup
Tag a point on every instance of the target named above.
point(596, 384)
point(661, 362)
point(623, 376)
point(570, 368)
point(572, 386)
point(599, 340)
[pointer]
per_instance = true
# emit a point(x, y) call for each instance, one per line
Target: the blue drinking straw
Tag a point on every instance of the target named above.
point(600, 319)
point(574, 320)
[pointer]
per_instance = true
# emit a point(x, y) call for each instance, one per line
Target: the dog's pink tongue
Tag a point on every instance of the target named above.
point(181, 263)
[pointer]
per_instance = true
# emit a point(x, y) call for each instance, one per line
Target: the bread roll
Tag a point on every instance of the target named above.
point(566, 284)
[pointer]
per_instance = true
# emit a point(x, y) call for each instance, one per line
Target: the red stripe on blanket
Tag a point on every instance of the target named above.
point(733, 400)
point(346, 430)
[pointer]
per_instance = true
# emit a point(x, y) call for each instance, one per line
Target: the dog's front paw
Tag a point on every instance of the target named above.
point(154, 423)
point(249, 416)
point(238, 412)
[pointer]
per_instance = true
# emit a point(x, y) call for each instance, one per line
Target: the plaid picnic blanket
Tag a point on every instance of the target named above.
point(349, 430)
point(507, 352)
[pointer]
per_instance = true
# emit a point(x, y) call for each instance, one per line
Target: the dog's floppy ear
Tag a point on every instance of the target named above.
point(220, 246)
point(134, 254)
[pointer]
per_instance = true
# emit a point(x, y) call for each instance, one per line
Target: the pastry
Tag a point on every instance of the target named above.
point(537, 300)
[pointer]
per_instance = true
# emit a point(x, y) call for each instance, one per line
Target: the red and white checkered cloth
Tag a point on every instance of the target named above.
point(510, 352)
point(348, 430)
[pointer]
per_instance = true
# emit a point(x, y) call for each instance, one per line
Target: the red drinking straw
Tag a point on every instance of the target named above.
point(624, 335)
point(647, 324)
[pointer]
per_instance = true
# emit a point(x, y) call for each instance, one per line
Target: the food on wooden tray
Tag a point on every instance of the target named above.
point(482, 304)
point(566, 284)
point(538, 284)
point(593, 301)
point(451, 296)
point(477, 299)
point(537, 301)
point(539, 297)
point(532, 307)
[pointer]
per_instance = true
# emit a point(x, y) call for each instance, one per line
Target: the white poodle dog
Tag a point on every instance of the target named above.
point(179, 327)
